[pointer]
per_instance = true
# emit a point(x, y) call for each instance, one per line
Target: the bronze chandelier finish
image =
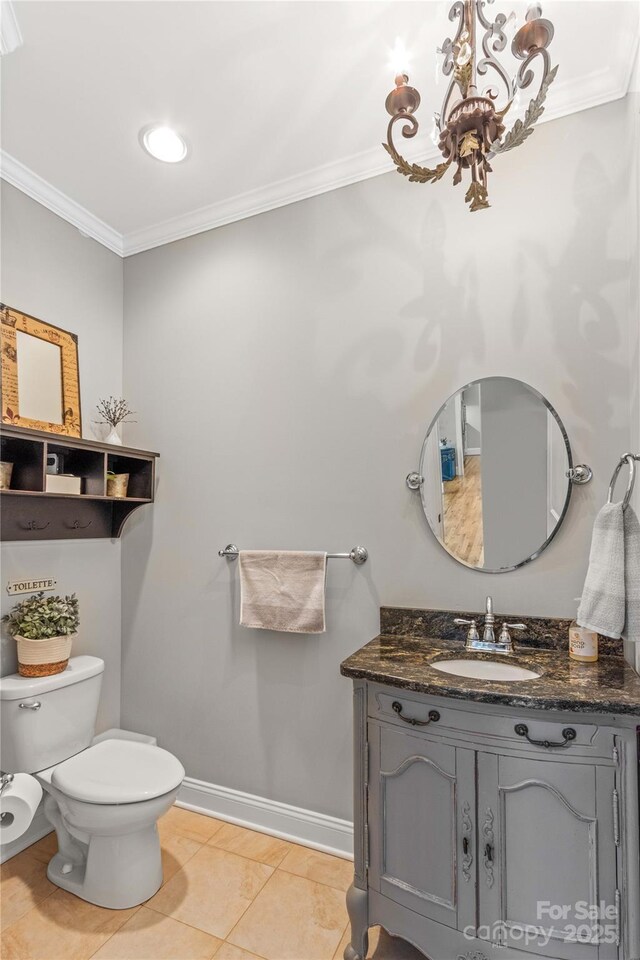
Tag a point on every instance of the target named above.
point(471, 123)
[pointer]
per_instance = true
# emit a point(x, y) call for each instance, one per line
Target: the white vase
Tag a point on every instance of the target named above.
point(113, 437)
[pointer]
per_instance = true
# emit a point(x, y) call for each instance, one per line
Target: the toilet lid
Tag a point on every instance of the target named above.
point(118, 771)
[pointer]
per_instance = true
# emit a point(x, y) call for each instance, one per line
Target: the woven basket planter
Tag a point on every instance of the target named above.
point(43, 658)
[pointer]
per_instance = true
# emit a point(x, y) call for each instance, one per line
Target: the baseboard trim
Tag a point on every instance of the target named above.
point(38, 828)
point(311, 829)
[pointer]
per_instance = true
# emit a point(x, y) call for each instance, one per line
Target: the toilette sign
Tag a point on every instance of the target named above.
point(31, 586)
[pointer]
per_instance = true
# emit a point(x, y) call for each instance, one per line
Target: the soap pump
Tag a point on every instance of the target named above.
point(583, 643)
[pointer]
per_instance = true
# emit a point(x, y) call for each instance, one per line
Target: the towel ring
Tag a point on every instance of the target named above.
point(630, 459)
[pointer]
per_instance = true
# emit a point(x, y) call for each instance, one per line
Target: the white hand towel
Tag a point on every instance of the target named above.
point(283, 590)
point(631, 629)
point(602, 607)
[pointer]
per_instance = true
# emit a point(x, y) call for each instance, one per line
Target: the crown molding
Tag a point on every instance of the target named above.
point(602, 85)
point(311, 183)
point(53, 199)
point(10, 35)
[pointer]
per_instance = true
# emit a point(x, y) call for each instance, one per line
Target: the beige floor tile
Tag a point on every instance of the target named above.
point(44, 849)
point(321, 867)
point(212, 890)
point(194, 826)
point(152, 936)
point(176, 850)
point(346, 938)
point(228, 952)
point(249, 843)
point(23, 884)
point(62, 927)
point(292, 919)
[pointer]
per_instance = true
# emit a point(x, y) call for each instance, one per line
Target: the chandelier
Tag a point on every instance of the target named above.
point(471, 129)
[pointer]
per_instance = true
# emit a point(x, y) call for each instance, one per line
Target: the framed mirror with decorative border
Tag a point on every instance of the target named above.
point(40, 378)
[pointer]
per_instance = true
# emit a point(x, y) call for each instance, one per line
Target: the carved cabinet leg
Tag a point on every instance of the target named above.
point(358, 908)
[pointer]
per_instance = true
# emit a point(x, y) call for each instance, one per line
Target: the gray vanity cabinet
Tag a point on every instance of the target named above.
point(421, 799)
point(547, 843)
point(469, 838)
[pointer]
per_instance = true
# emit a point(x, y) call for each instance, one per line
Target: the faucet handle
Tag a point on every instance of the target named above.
point(473, 628)
point(505, 636)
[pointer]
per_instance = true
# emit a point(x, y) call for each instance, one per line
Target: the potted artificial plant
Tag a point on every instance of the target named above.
point(44, 628)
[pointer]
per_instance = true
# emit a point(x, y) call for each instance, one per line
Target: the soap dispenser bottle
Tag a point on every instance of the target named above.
point(583, 643)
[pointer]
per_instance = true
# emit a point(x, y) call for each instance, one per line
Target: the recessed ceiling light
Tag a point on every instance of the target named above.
point(163, 143)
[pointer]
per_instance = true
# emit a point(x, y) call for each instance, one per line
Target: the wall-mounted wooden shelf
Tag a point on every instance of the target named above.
point(28, 512)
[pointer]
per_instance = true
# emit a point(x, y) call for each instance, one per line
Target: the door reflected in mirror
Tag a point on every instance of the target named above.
point(495, 462)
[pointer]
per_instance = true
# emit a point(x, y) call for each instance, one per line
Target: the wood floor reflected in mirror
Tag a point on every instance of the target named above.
point(463, 534)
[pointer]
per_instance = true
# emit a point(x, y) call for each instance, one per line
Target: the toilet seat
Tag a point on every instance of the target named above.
point(118, 771)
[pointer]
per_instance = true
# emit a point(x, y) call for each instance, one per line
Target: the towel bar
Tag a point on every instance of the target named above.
point(630, 459)
point(357, 554)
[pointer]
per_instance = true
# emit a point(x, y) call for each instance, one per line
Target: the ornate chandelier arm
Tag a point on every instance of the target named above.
point(457, 10)
point(493, 30)
point(525, 75)
point(524, 128)
point(416, 173)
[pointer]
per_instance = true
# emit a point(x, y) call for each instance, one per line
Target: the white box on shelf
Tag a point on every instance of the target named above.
point(63, 483)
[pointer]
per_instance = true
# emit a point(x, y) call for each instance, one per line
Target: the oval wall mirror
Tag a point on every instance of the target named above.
point(495, 464)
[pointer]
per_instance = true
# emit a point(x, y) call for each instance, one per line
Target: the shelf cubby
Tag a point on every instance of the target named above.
point(89, 465)
point(140, 473)
point(27, 457)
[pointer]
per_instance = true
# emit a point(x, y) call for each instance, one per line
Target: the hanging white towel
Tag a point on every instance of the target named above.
point(283, 590)
point(602, 607)
point(631, 630)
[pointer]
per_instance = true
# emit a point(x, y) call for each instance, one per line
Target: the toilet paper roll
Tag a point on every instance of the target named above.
point(18, 804)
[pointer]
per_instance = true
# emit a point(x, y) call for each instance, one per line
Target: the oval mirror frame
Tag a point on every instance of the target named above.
point(422, 472)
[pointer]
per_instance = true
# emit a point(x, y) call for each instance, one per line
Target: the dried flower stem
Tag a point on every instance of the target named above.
point(114, 410)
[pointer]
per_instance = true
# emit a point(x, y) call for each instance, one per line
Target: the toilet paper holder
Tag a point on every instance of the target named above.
point(7, 780)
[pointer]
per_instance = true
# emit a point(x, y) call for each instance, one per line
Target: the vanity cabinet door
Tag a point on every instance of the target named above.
point(546, 855)
point(421, 822)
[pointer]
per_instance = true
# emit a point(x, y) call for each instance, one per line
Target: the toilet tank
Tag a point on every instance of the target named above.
point(33, 737)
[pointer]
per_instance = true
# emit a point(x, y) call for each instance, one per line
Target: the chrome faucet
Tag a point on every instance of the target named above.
point(489, 634)
point(504, 643)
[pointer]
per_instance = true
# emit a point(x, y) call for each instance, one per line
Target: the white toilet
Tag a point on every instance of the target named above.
point(102, 798)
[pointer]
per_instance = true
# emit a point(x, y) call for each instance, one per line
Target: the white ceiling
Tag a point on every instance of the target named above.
point(278, 100)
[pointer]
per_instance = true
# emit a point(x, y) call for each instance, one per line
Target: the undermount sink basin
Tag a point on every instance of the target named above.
point(484, 670)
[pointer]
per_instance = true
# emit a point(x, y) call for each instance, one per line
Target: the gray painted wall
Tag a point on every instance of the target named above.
point(514, 473)
point(50, 271)
point(632, 650)
point(287, 367)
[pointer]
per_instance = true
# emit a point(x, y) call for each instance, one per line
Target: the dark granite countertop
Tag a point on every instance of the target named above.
point(608, 686)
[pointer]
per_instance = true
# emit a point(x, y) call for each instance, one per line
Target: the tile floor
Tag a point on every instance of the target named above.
point(228, 893)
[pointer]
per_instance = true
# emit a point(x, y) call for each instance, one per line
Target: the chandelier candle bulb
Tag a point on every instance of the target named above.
point(479, 95)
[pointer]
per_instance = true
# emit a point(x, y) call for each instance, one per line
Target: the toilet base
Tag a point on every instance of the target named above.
point(118, 873)
point(107, 854)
